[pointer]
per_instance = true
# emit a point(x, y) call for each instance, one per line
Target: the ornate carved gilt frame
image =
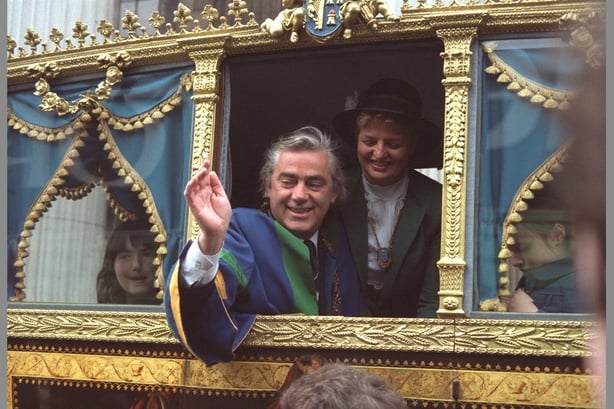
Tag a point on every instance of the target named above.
point(457, 26)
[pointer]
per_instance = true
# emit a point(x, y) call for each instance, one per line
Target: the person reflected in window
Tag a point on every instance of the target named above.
point(392, 213)
point(127, 275)
point(543, 251)
point(248, 261)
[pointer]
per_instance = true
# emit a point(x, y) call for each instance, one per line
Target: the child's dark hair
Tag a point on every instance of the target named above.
point(108, 289)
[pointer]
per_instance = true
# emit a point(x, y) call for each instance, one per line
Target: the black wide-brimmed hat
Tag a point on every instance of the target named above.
point(397, 97)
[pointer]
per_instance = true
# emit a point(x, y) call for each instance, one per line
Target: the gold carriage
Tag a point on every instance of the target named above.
point(126, 116)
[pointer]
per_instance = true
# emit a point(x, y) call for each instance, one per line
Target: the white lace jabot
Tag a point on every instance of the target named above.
point(384, 204)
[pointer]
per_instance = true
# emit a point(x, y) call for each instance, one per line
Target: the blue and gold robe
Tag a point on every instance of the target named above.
point(263, 269)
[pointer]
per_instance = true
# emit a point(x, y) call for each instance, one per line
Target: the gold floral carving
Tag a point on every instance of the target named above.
point(508, 337)
point(456, 82)
point(206, 95)
point(89, 325)
point(493, 389)
point(544, 338)
point(205, 43)
point(353, 333)
point(96, 367)
point(423, 383)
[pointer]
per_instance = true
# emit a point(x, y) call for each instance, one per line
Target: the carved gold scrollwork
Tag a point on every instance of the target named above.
point(488, 386)
point(88, 103)
point(587, 33)
point(182, 16)
point(399, 349)
point(206, 76)
point(456, 57)
point(505, 337)
point(353, 334)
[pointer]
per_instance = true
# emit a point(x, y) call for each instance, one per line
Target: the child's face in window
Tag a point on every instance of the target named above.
point(536, 246)
point(135, 270)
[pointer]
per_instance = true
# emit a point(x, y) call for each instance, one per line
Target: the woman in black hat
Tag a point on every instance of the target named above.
point(392, 213)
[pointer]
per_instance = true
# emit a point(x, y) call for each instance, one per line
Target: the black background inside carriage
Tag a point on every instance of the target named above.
point(276, 93)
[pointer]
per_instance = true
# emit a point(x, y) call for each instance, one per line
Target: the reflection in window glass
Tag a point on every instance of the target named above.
point(526, 87)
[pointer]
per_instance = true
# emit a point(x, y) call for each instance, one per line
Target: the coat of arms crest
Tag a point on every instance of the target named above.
point(323, 18)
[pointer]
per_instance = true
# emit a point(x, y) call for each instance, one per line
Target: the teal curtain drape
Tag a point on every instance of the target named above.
point(159, 152)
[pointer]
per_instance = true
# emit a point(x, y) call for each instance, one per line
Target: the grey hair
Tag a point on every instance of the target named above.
point(307, 138)
point(340, 386)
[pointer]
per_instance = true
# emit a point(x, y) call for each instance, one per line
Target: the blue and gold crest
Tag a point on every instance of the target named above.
point(323, 18)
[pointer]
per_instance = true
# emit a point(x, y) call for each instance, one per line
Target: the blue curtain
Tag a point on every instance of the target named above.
point(517, 136)
point(159, 152)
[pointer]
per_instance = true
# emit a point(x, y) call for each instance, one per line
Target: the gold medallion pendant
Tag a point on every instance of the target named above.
point(384, 257)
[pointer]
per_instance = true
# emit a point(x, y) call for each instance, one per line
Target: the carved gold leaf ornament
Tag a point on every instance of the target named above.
point(79, 31)
point(351, 333)
point(505, 337)
point(209, 14)
point(32, 39)
point(130, 23)
point(415, 379)
point(456, 61)
point(587, 33)
point(488, 386)
point(419, 385)
point(182, 16)
point(537, 93)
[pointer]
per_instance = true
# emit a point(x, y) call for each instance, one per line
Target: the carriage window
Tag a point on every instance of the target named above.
point(527, 87)
point(84, 156)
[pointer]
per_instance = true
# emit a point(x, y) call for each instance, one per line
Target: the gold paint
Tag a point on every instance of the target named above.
point(509, 337)
point(456, 57)
point(372, 339)
point(522, 86)
point(416, 382)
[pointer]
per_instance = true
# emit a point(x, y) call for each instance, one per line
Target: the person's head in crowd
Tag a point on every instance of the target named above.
point(389, 132)
point(127, 275)
point(340, 386)
point(300, 179)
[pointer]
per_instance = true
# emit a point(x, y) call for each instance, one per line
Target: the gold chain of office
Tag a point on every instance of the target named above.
point(384, 254)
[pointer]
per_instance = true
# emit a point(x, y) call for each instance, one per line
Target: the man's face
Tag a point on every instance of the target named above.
point(301, 191)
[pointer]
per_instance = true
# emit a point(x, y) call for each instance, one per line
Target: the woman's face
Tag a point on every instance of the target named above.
point(135, 271)
point(383, 150)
